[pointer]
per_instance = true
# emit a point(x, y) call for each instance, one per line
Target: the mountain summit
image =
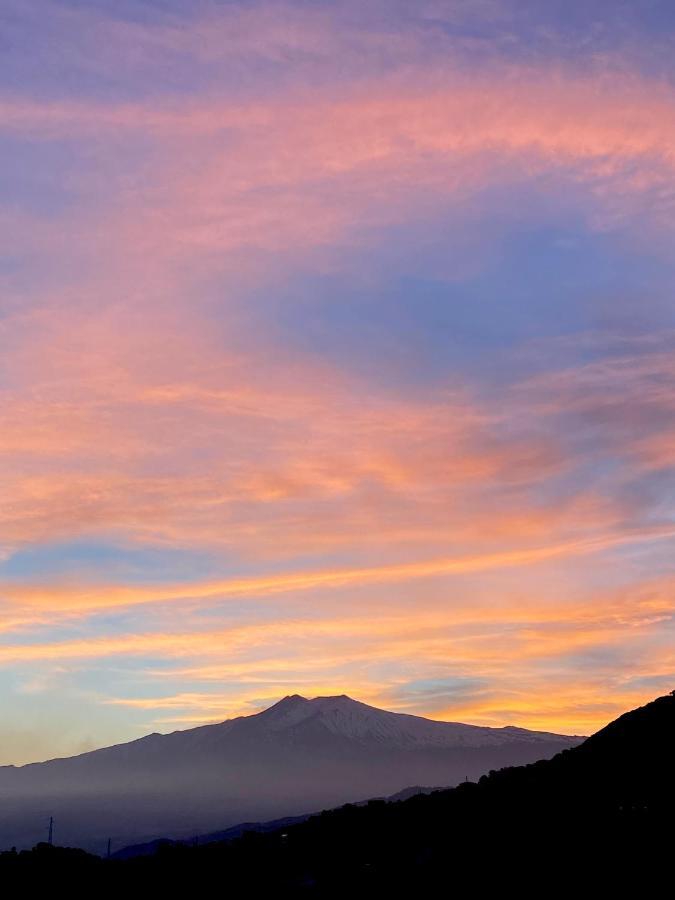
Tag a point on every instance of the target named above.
point(297, 756)
point(344, 717)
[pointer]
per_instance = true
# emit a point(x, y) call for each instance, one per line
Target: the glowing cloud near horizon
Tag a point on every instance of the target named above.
point(336, 355)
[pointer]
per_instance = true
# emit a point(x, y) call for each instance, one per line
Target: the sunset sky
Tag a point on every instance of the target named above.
point(337, 355)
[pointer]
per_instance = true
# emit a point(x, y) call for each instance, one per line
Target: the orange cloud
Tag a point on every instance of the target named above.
point(498, 650)
point(94, 597)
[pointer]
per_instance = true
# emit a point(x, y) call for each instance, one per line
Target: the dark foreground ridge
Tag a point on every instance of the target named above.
point(598, 816)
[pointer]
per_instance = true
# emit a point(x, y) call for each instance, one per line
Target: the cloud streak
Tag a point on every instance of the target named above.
point(71, 599)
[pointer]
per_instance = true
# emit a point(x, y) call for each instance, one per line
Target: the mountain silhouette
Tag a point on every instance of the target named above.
point(595, 820)
point(299, 755)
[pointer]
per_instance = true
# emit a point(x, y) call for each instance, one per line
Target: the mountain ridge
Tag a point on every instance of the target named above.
point(297, 754)
point(316, 706)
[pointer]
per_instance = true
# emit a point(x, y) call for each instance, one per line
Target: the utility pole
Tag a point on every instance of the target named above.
point(50, 839)
point(108, 848)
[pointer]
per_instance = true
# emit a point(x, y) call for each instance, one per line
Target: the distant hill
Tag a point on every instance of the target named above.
point(296, 756)
point(237, 831)
point(596, 820)
point(228, 834)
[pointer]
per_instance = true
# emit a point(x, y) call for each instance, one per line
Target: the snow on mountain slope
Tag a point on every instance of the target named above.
point(355, 720)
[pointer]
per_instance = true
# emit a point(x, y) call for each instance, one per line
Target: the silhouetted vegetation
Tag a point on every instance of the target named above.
point(598, 816)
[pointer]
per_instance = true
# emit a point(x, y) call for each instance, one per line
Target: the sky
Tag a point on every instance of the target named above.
point(337, 355)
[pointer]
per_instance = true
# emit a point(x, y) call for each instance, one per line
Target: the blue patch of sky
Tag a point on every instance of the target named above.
point(576, 22)
point(644, 560)
point(109, 562)
point(547, 280)
point(34, 174)
point(95, 561)
point(471, 36)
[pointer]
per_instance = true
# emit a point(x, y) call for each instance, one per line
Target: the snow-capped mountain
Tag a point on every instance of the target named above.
point(349, 718)
point(297, 756)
